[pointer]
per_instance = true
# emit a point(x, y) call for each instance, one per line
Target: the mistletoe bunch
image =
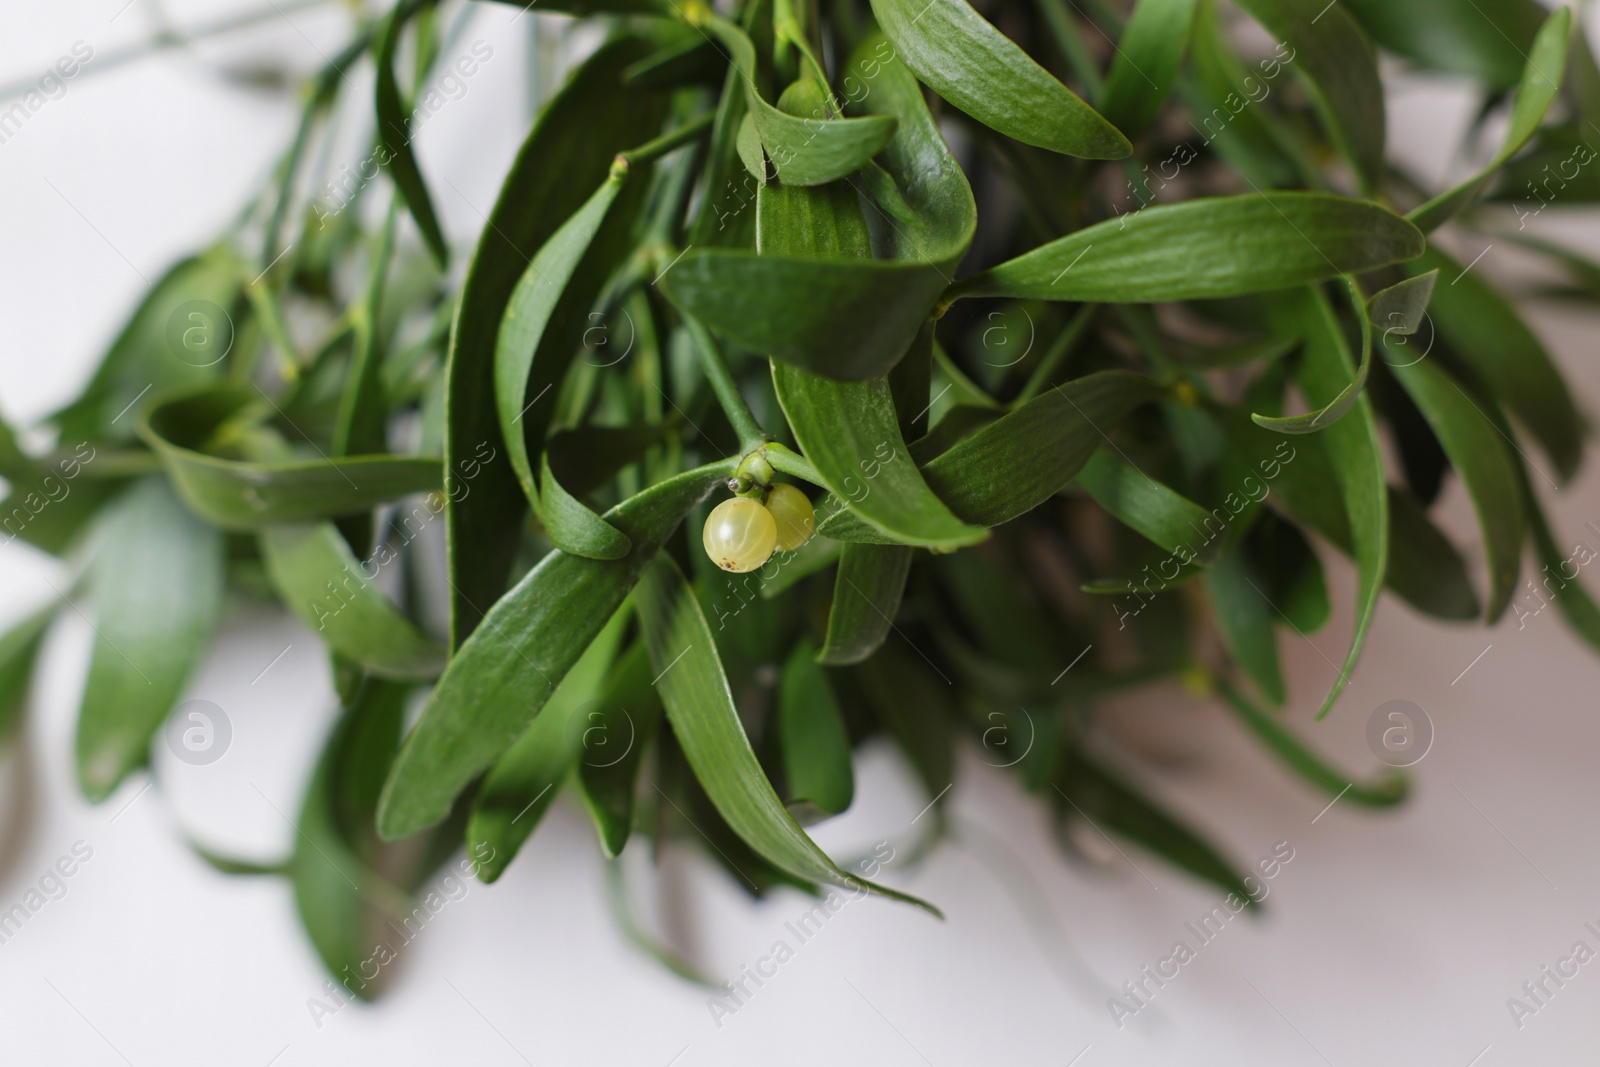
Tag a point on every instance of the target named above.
point(1075, 345)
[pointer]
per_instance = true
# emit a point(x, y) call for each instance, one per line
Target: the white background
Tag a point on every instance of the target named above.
point(1389, 939)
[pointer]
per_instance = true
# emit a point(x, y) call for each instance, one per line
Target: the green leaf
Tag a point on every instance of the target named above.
point(809, 149)
point(394, 130)
point(849, 431)
point(751, 154)
point(525, 781)
point(614, 743)
point(174, 338)
point(50, 504)
point(1386, 791)
point(1109, 803)
point(1163, 516)
point(529, 311)
point(239, 495)
point(1340, 68)
point(916, 710)
point(693, 60)
point(816, 747)
point(1249, 244)
point(1487, 337)
point(1402, 307)
point(844, 318)
point(1424, 567)
point(1244, 618)
point(566, 156)
point(320, 580)
point(571, 526)
point(1571, 599)
point(706, 724)
point(1483, 39)
point(1352, 448)
point(1486, 466)
point(334, 868)
point(1016, 463)
point(1345, 399)
point(156, 587)
point(866, 597)
point(1291, 575)
point(815, 555)
point(501, 676)
point(1541, 80)
point(1146, 64)
point(1251, 140)
point(961, 56)
point(362, 421)
point(19, 647)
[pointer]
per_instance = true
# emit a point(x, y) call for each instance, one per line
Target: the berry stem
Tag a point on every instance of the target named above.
point(787, 461)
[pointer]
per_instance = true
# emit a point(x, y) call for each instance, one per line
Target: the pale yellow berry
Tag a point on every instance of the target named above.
point(792, 512)
point(740, 535)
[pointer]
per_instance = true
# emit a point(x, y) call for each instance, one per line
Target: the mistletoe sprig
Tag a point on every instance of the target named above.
point(948, 467)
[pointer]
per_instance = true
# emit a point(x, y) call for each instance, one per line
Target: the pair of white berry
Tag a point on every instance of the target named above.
point(742, 533)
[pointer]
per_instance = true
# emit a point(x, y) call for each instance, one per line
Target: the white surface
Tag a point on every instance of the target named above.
point(1394, 939)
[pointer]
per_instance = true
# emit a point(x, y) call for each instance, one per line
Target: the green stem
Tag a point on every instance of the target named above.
point(677, 138)
point(751, 436)
point(168, 39)
point(1058, 353)
point(787, 461)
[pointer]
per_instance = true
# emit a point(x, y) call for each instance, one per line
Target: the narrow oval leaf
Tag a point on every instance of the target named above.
point(502, 675)
point(1244, 618)
point(849, 432)
point(1352, 448)
point(915, 708)
point(1486, 334)
point(1483, 39)
point(1166, 518)
point(1401, 308)
point(320, 580)
point(1486, 466)
point(1425, 569)
point(706, 724)
point(1541, 81)
point(156, 587)
point(528, 312)
point(1016, 463)
point(1092, 792)
point(1385, 791)
point(816, 747)
point(1333, 52)
point(1333, 410)
point(239, 495)
point(961, 56)
point(394, 130)
point(172, 339)
point(615, 739)
point(571, 526)
point(1248, 244)
point(18, 649)
point(525, 781)
point(840, 318)
point(1560, 569)
point(805, 149)
point(866, 597)
point(567, 155)
point(1145, 68)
